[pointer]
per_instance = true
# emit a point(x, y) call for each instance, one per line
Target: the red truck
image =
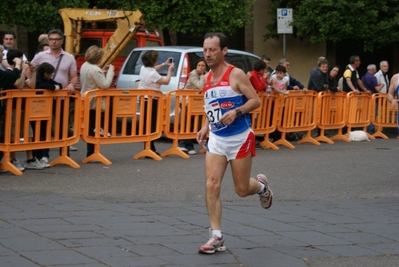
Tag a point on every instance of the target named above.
point(100, 38)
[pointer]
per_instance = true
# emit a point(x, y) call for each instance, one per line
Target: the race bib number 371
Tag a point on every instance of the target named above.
point(214, 113)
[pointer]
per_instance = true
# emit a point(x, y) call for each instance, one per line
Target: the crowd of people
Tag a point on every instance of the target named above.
point(51, 68)
point(325, 77)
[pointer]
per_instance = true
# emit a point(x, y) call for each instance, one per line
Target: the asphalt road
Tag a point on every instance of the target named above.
point(343, 170)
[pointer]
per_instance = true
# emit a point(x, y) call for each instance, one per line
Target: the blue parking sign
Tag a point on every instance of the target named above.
point(284, 20)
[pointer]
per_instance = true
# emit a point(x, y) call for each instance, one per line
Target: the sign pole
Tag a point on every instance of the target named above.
point(283, 45)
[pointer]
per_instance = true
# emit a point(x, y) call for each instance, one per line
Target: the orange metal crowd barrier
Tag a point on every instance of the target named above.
point(264, 118)
point(186, 107)
point(128, 119)
point(297, 114)
point(384, 115)
point(331, 114)
point(32, 107)
point(358, 115)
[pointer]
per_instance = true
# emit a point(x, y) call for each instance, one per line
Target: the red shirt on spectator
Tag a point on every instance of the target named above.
point(258, 81)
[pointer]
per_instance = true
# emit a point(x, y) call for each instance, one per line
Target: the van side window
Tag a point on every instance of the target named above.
point(131, 65)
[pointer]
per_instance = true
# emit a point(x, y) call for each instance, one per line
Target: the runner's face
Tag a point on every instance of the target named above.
point(212, 52)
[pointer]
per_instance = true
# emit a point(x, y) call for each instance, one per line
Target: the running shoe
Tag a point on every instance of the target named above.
point(182, 149)
point(44, 162)
point(266, 198)
point(214, 244)
point(102, 132)
point(16, 163)
point(192, 152)
point(34, 165)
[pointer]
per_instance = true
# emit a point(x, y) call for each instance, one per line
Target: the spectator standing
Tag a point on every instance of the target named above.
point(332, 75)
point(7, 79)
point(269, 68)
point(293, 84)
point(65, 68)
point(31, 162)
point(151, 79)
point(392, 92)
point(42, 47)
point(319, 59)
point(280, 80)
point(258, 76)
point(196, 80)
point(43, 38)
point(230, 138)
point(93, 77)
point(351, 80)
point(371, 84)
point(318, 80)
point(44, 80)
point(370, 81)
point(43, 43)
point(9, 38)
point(382, 76)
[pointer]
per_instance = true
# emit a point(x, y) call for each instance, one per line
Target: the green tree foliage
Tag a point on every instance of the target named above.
point(197, 17)
point(372, 23)
point(36, 15)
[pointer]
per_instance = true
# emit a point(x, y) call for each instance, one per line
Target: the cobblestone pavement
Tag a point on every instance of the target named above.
point(335, 205)
point(47, 230)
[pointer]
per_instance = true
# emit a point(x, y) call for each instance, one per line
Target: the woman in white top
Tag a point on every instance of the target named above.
point(93, 77)
point(151, 79)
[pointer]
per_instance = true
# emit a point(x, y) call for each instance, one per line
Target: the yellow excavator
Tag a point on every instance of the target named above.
point(76, 19)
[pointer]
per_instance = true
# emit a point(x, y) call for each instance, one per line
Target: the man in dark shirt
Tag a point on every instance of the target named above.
point(351, 80)
point(370, 81)
point(318, 80)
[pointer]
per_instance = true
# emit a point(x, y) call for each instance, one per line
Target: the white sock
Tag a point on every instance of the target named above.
point(262, 188)
point(217, 233)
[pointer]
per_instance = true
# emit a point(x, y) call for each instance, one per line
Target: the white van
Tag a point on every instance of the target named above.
point(184, 57)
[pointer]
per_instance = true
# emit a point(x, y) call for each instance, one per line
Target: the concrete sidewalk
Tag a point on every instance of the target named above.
point(50, 230)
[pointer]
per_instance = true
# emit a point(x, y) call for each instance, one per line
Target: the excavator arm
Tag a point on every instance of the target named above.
point(127, 24)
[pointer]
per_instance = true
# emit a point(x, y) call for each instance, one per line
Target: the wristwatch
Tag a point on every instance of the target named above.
point(238, 113)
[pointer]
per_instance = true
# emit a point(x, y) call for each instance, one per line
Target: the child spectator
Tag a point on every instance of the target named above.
point(279, 80)
point(258, 76)
point(44, 80)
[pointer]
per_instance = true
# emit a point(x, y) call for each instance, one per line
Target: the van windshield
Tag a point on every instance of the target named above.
point(134, 63)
